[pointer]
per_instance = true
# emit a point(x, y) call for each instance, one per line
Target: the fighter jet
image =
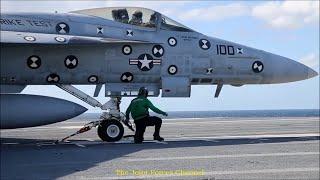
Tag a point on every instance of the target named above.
point(122, 48)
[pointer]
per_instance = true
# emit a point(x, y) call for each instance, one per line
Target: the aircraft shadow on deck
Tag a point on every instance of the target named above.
point(48, 161)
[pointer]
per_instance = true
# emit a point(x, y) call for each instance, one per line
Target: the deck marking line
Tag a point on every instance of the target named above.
point(222, 156)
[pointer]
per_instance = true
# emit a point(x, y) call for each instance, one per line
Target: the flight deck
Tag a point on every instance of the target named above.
point(241, 148)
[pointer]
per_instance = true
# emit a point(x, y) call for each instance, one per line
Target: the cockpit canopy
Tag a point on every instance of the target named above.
point(135, 16)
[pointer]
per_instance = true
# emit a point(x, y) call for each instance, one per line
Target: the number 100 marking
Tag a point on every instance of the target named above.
point(223, 50)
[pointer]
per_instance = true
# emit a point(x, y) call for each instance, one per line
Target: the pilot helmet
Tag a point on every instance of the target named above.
point(153, 18)
point(143, 91)
point(120, 15)
point(123, 15)
point(137, 14)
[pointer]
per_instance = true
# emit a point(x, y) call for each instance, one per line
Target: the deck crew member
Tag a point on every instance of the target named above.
point(139, 112)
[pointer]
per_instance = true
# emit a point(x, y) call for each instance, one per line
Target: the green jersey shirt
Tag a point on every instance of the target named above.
point(139, 108)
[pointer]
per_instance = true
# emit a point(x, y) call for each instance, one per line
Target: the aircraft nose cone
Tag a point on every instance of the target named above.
point(312, 73)
point(283, 70)
point(299, 71)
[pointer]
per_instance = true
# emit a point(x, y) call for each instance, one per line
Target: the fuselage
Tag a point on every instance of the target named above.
point(219, 61)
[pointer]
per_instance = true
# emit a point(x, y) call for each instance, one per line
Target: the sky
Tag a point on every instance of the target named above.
point(286, 28)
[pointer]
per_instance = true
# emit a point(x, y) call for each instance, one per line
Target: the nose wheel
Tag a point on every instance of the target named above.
point(110, 130)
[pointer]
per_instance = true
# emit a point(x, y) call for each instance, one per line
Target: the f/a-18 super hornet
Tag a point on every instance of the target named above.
point(123, 49)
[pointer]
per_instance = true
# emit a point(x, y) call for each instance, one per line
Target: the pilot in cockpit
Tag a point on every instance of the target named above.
point(136, 18)
point(152, 21)
point(120, 15)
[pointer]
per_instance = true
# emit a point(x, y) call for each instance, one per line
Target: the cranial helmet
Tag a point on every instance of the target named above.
point(137, 14)
point(143, 92)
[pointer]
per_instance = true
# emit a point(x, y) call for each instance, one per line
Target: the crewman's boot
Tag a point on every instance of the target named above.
point(158, 138)
point(156, 134)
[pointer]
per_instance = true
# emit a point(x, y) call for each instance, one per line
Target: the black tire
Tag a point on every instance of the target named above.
point(110, 130)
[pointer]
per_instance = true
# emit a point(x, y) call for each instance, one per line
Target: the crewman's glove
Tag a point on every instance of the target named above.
point(128, 124)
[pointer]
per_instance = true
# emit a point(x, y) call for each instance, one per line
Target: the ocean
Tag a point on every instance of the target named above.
point(228, 114)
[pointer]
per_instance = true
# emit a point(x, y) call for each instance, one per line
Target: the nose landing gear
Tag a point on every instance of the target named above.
point(111, 128)
point(110, 125)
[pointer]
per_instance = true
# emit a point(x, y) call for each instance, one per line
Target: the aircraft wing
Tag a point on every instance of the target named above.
point(13, 37)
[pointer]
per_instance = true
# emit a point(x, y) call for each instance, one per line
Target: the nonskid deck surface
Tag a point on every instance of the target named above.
point(194, 148)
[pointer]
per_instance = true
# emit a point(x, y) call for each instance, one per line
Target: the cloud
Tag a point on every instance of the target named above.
point(311, 60)
point(284, 14)
point(287, 14)
point(213, 13)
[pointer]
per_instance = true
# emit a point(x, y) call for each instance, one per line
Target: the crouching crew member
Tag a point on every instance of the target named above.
point(139, 112)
